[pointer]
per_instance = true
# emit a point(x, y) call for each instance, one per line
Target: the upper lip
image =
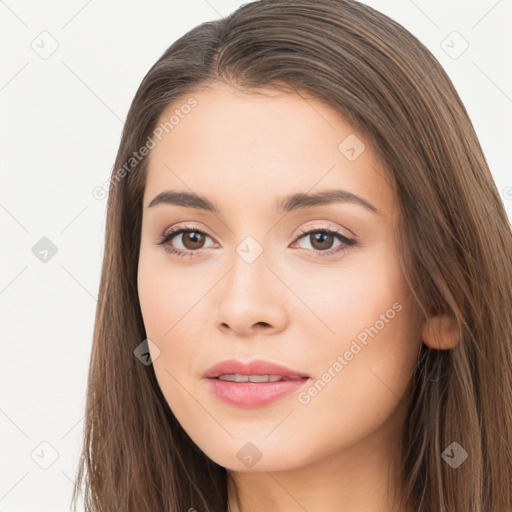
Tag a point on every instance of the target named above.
point(254, 367)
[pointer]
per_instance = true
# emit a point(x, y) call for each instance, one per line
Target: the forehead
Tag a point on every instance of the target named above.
point(260, 144)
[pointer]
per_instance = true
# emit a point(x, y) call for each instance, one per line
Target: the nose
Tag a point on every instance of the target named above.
point(251, 299)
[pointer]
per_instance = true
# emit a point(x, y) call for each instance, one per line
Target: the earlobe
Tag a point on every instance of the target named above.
point(440, 332)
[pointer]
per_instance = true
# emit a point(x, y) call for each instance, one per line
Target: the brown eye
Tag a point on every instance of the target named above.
point(321, 240)
point(185, 241)
point(192, 240)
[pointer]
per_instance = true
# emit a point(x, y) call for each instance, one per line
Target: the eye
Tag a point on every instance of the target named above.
point(322, 240)
point(192, 240)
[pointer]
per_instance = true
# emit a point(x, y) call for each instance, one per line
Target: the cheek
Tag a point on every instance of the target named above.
point(363, 384)
point(161, 309)
point(174, 322)
point(166, 294)
point(351, 298)
point(368, 352)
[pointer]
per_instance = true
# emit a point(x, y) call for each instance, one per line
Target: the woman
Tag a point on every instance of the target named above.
point(306, 293)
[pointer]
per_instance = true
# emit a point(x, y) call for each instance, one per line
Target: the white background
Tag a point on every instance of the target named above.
point(61, 124)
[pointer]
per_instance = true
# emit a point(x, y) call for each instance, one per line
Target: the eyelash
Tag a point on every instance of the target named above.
point(167, 237)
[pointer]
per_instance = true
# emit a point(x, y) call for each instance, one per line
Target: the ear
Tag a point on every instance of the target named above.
point(440, 332)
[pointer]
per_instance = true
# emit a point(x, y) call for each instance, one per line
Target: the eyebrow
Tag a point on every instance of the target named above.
point(288, 204)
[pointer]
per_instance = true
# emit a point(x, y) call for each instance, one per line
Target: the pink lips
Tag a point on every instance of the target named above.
point(255, 367)
point(253, 394)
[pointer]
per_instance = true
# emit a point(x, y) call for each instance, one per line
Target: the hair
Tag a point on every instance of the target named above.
point(454, 240)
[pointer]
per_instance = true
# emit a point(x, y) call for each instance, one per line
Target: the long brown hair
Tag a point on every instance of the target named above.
point(455, 244)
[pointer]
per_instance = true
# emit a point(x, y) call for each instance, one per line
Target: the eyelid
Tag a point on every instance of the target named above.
point(176, 230)
point(323, 226)
point(301, 232)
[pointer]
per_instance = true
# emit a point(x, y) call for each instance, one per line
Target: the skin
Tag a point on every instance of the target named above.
point(291, 306)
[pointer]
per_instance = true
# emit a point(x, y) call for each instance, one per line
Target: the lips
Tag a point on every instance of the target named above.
point(229, 369)
point(254, 384)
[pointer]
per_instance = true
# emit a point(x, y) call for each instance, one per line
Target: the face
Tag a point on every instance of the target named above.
point(312, 285)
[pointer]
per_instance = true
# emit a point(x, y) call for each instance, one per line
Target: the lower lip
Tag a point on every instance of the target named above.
point(251, 394)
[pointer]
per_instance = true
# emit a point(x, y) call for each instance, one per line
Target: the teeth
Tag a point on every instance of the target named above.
point(237, 377)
